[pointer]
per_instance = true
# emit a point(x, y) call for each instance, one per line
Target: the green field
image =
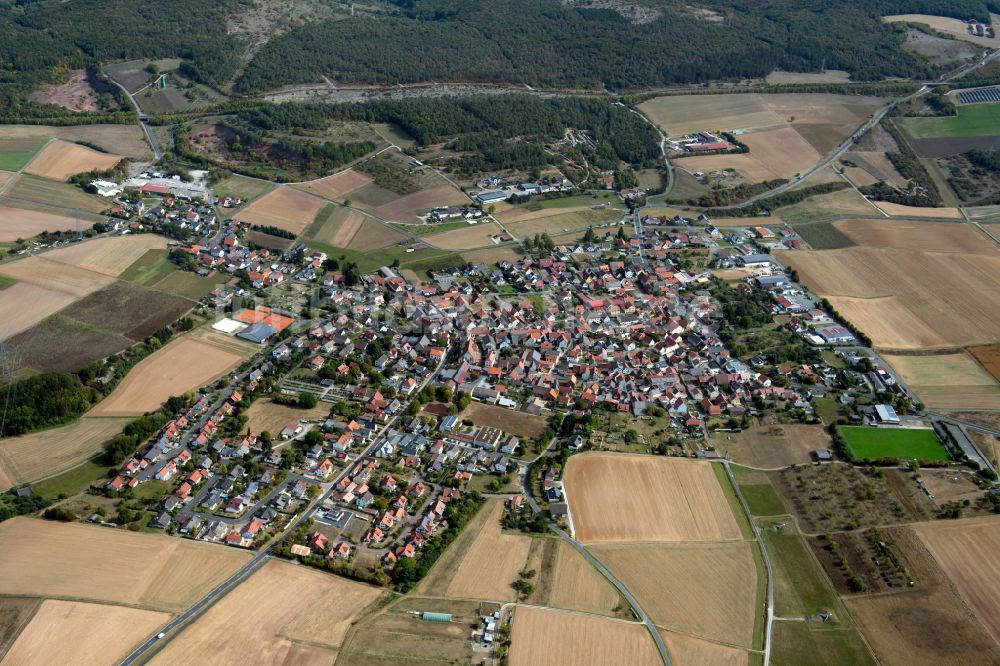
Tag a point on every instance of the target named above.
point(973, 120)
point(6, 281)
point(12, 160)
point(418, 260)
point(245, 188)
point(53, 193)
point(904, 443)
point(569, 202)
point(762, 500)
point(73, 481)
point(149, 267)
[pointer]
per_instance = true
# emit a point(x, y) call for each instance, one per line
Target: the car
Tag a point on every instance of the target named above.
point(160, 635)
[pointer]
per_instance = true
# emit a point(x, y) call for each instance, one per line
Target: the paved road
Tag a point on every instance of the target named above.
point(173, 629)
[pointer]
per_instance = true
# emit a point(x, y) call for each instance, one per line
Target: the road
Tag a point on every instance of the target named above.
point(174, 627)
point(143, 121)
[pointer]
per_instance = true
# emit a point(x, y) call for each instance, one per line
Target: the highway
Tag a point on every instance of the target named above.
point(174, 628)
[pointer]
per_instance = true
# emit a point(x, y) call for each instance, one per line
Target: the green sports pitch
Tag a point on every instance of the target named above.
point(903, 443)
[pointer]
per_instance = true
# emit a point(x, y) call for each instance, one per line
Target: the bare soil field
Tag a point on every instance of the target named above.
point(899, 210)
point(337, 186)
point(283, 614)
point(938, 50)
point(508, 420)
point(916, 236)
point(774, 446)
point(56, 276)
point(76, 94)
point(127, 309)
point(989, 357)
point(59, 160)
point(108, 256)
point(965, 550)
point(467, 237)
point(282, 207)
point(30, 457)
point(569, 582)
point(909, 299)
point(81, 633)
point(710, 591)
point(860, 177)
point(127, 140)
point(182, 365)
point(488, 560)
point(408, 208)
point(558, 638)
point(78, 561)
point(23, 305)
point(689, 650)
point(340, 228)
point(948, 381)
point(783, 151)
point(949, 26)
point(266, 415)
point(23, 223)
point(950, 485)
point(372, 235)
point(926, 624)
point(15, 614)
point(669, 499)
point(778, 77)
point(62, 344)
point(492, 255)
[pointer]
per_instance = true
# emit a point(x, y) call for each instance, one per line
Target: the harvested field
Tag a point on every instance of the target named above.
point(81, 633)
point(282, 207)
point(965, 551)
point(23, 305)
point(127, 140)
point(283, 614)
point(182, 365)
point(337, 186)
point(59, 160)
point(47, 196)
point(878, 166)
point(779, 77)
point(860, 177)
point(989, 357)
point(560, 221)
point(18, 223)
point(410, 207)
point(336, 226)
point(774, 446)
point(688, 650)
point(30, 457)
point(842, 202)
point(948, 381)
point(783, 151)
point(949, 26)
point(516, 423)
point(15, 614)
point(266, 415)
point(62, 344)
point(556, 637)
point(108, 256)
point(492, 255)
point(899, 210)
point(916, 236)
point(467, 237)
point(74, 560)
point(929, 623)
point(127, 309)
point(670, 500)
point(372, 235)
point(483, 561)
point(710, 591)
point(572, 582)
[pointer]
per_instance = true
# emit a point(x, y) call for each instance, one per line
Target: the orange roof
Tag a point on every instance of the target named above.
point(264, 314)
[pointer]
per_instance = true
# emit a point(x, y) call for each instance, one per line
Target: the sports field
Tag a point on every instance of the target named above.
point(560, 638)
point(616, 498)
point(904, 443)
point(87, 562)
point(972, 120)
point(59, 160)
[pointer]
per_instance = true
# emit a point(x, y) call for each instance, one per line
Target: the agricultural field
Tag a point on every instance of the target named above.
point(59, 160)
point(338, 186)
point(282, 207)
point(779, 77)
point(18, 223)
point(864, 443)
point(16, 152)
point(483, 561)
point(972, 120)
point(773, 445)
point(839, 203)
point(492, 255)
point(182, 365)
point(335, 225)
point(930, 623)
point(108, 256)
point(899, 210)
point(126, 309)
point(560, 638)
point(243, 187)
point(15, 614)
point(49, 196)
point(83, 633)
point(946, 25)
point(86, 562)
point(468, 236)
point(689, 650)
point(824, 236)
point(948, 381)
point(127, 140)
point(266, 415)
point(521, 424)
point(556, 221)
point(398, 635)
point(710, 591)
point(30, 457)
point(566, 580)
point(989, 357)
point(22, 305)
point(670, 500)
point(282, 614)
point(910, 285)
point(372, 235)
point(131, 74)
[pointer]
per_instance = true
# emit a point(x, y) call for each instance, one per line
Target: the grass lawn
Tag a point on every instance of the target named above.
point(973, 120)
point(569, 202)
point(151, 490)
point(16, 159)
point(804, 644)
point(903, 443)
point(245, 188)
point(827, 409)
point(801, 587)
point(149, 267)
point(71, 482)
point(762, 499)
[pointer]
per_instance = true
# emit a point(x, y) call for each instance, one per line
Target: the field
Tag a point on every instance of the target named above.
point(81, 633)
point(904, 443)
point(568, 581)
point(989, 357)
point(282, 614)
point(86, 562)
point(948, 381)
point(335, 225)
point(823, 236)
point(899, 210)
point(18, 223)
point(492, 255)
point(337, 186)
point(483, 561)
point(15, 153)
point(282, 207)
point(559, 638)
point(182, 365)
point(555, 221)
point(972, 120)
point(108, 256)
point(841, 202)
point(774, 153)
point(23, 305)
point(773, 446)
point(688, 650)
point(468, 236)
point(48, 195)
point(266, 415)
point(243, 187)
point(411, 207)
point(15, 614)
point(910, 285)
point(59, 160)
point(669, 499)
point(39, 454)
point(127, 140)
point(710, 591)
point(516, 423)
point(126, 309)
point(949, 26)
point(372, 235)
